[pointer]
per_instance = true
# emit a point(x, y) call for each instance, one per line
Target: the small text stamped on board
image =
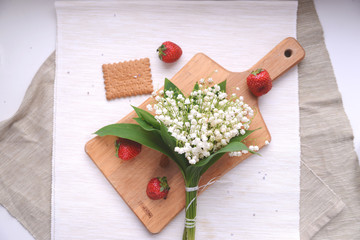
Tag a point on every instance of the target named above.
point(145, 209)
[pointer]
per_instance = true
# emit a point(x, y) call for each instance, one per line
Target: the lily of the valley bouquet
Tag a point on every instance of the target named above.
point(194, 131)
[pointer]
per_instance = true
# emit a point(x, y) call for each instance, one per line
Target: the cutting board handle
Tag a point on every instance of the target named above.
point(281, 58)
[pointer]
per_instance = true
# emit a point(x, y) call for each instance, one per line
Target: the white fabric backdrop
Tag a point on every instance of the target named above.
point(259, 199)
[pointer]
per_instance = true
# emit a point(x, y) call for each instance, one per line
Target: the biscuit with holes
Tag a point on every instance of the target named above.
point(129, 78)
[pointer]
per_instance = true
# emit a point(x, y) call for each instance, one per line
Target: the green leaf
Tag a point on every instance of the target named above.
point(242, 137)
point(231, 147)
point(145, 125)
point(213, 160)
point(168, 85)
point(193, 174)
point(222, 86)
point(136, 133)
point(170, 141)
point(234, 145)
point(147, 117)
point(167, 138)
point(196, 87)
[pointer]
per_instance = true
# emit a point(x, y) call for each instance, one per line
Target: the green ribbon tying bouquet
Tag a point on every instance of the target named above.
point(194, 131)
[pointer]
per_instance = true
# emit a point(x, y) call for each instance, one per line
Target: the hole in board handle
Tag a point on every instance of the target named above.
point(288, 53)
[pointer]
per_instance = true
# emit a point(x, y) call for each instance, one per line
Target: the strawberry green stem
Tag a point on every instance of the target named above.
point(161, 51)
point(257, 71)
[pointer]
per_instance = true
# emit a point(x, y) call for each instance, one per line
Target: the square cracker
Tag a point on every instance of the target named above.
point(127, 78)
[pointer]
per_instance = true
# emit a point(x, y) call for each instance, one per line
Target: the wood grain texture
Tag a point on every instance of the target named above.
point(130, 178)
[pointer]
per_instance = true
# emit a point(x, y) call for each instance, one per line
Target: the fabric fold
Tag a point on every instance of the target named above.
point(25, 153)
point(327, 149)
point(316, 192)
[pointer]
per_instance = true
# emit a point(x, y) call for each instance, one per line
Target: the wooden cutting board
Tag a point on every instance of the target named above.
point(130, 178)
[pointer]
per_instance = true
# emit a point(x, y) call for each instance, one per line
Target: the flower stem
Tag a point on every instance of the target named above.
point(190, 210)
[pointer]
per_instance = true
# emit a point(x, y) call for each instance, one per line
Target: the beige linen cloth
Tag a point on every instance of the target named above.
point(25, 155)
point(327, 148)
point(330, 174)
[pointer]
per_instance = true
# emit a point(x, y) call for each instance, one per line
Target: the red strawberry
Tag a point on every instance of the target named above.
point(259, 82)
point(169, 52)
point(157, 188)
point(127, 149)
